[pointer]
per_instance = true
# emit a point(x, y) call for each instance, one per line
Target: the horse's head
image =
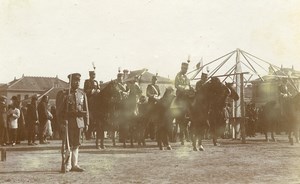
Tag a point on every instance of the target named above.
point(232, 94)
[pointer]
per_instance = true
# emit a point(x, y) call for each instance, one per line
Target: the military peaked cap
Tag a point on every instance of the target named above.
point(120, 75)
point(204, 76)
point(92, 72)
point(154, 77)
point(75, 76)
point(184, 65)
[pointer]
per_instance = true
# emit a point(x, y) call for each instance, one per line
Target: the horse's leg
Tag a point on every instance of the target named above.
point(159, 138)
point(194, 139)
point(182, 129)
point(101, 131)
point(291, 140)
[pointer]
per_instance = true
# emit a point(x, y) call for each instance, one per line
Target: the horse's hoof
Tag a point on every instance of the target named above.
point(169, 147)
point(195, 149)
point(182, 143)
point(217, 144)
point(161, 148)
point(201, 148)
point(102, 147)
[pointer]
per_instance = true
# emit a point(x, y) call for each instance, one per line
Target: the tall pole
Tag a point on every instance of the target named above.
point(239, 104)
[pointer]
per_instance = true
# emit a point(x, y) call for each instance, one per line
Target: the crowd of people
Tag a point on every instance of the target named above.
point(33, 122)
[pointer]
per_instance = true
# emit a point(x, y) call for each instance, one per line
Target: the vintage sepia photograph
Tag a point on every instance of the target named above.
point(150, 91)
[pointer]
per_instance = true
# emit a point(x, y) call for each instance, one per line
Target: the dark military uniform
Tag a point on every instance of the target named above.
point(32, 120)
point(123, 90)
point(74, 111)
point(3, 121)
point(89, 86)
point(153, 93)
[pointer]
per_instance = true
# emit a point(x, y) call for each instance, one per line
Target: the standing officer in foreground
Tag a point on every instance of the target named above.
point(91, 88)
point(74, 110)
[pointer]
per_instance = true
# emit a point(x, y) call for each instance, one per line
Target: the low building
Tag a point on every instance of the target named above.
point(146, 78)
point(26, 86)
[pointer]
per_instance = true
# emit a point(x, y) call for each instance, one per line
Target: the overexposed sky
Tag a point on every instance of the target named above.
point(57, 37)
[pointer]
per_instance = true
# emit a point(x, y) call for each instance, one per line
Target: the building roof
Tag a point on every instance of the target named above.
point(146, 77)
point(30, 83)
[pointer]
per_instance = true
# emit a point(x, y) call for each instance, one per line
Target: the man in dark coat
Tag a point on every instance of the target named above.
point(43, 117)
point(32, 120)
point(75, 109)
point(3, 121)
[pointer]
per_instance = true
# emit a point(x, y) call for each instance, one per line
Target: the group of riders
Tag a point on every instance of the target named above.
point(119, 106)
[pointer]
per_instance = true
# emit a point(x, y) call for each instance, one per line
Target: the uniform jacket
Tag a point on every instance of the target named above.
point(283, 91)
point(89, 85)
point(75, 108)
point(3, 116)
point(123, 90)
point(42, 112)
point(151, 92)
point(135, 92)
point(32, 114)
point(182, 83)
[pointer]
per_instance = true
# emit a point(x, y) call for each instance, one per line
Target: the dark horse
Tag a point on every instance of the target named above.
point(294, 118)
point(207, 110)
point(272, 116)
point(102, 108)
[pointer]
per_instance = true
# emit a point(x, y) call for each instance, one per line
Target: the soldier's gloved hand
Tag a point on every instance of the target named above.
point(98, 91)
point(93, 91)
point(86, 128)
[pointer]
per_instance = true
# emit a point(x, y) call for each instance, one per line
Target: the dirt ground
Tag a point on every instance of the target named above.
point(232, 162)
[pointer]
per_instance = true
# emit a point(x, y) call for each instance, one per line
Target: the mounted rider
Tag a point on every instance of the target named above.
point(183, 87)
point(284, 95)
point(182, 83)
point(122, 88)
point(135, 93)
point(91, 88)
point(153, 93)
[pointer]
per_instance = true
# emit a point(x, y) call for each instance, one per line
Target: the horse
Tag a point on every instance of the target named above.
point(102, 108)
point(272, 115)
point(293, 117)
point(164, 116)
point(269, 118)
point(207, 110)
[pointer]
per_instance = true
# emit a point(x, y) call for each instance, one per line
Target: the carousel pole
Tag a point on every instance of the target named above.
point(240, 106)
